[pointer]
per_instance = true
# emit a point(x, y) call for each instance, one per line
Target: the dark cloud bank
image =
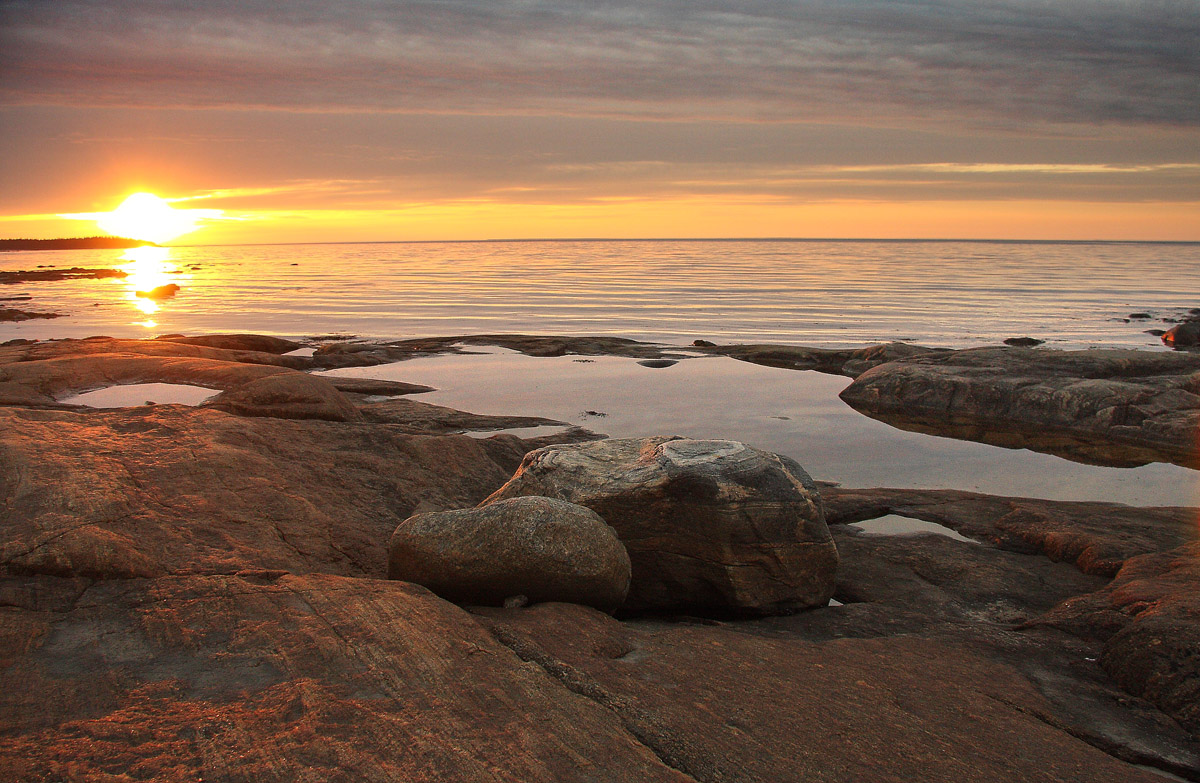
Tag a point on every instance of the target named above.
point(1112, 61)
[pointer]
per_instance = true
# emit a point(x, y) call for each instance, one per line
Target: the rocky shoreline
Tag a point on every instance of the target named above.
point(202, 593)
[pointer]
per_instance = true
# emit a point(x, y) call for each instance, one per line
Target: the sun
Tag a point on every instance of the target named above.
point(148, 217)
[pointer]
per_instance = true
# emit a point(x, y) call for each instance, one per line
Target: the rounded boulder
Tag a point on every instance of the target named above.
point(541, 548)
point(711, 526)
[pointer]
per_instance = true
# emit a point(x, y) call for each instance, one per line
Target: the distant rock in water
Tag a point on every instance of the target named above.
point(710, 525)
point(1023, 342)
point(73, 273)
point(161, 292)
point(658, 364)
point(1139, 316)
point(10, 314)
point(536, 548)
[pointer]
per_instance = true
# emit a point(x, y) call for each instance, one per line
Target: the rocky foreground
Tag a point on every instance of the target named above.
point(201, 594)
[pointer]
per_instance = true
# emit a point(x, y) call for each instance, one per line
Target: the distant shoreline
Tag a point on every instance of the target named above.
point(72, 243)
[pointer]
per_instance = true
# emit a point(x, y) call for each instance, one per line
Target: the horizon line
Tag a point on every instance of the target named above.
point(491, 240)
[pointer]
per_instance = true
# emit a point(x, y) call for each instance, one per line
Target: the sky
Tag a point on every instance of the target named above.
point(471, 119)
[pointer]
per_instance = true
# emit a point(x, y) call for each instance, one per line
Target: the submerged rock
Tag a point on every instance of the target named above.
point(1023, 342)
point(710, 525)
point(539, 548)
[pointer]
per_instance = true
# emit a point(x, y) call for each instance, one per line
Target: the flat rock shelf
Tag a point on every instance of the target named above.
point(201, 592)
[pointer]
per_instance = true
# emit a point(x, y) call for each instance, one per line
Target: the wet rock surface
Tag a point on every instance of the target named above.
point(1109, 407)
point(538, 548)
point(188, 593)
point(709, 525)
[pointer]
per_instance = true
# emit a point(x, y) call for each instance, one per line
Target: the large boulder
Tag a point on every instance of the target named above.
point(710, 525)
point(536, 547)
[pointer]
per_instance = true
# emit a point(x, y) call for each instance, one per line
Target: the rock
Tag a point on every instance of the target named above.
point(61, 377)
point(1024, 342)
point(8, 314)
point(1096, 537)
point(763, 701)
point(1139, 316)
point(703, 344)
point(710, 526)
point(850, 362)
point(374, 386)
point(1184, 335)
point(188, 594)
point(237, 342)
point(539, 548)
point(263, 675)
point(148, 491)
point(1148, 618)
point(658, 364)
point(1156, 332)
point(161, 292)
point(112, 350)
point(287, 395)
point(1108, 407)
point(73, 273)
point(425, 418)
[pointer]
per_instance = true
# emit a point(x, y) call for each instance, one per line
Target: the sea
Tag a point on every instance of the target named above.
point(1071, 295)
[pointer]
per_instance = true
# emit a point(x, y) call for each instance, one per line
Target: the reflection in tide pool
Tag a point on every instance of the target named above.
point(794, 413)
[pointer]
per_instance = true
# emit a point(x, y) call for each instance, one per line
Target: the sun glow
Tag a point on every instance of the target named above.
point(146, 216)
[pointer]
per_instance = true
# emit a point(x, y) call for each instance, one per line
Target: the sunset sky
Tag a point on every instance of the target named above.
point(356, 121)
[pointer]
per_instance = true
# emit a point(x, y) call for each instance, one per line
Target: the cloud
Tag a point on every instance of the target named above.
point(933, 61)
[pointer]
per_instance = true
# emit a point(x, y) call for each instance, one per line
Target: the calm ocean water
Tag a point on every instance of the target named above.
point(952, 294)
point(808, 293)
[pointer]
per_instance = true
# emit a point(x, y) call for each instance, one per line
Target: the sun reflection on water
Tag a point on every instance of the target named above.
point(147, 268)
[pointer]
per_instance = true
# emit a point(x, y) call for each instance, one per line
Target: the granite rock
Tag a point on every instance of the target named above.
point(540, 548)
point(710, 526)
point(1111, 407)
